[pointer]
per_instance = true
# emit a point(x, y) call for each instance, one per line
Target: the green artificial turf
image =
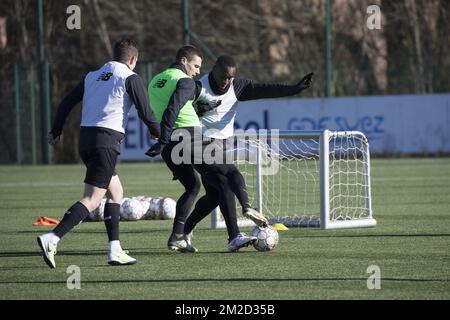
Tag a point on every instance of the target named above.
point(410, 244)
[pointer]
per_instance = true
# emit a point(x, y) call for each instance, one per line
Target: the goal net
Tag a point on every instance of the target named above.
point(305, 179)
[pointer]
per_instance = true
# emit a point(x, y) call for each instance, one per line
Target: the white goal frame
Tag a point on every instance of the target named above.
point(324, 159)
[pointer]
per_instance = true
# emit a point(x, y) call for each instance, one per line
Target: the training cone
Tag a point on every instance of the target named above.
point(280, 227)
point(45, 221)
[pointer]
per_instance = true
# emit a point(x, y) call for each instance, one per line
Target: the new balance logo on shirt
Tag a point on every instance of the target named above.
point(160, 83)
point(105, 76)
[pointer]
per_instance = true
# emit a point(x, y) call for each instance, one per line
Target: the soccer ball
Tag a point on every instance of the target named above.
point(154, 209)
point(132, 209)
point(267, 238)
point(161, 208)
point(169, 207)
point(98, 213)
point(145, 202)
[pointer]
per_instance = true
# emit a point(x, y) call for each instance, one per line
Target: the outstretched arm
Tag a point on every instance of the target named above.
point(248, 90)
point(136, 90)
point(64, 108)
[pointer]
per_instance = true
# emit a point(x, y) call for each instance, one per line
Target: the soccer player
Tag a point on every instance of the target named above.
point(218, 94)
point(171, 95)
point(107, 94)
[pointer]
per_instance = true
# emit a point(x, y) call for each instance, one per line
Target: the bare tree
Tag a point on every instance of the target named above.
point(102, 29)
point(277, 40)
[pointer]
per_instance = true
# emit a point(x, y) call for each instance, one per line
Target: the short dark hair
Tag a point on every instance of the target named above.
point(125, 49)
point(188, 52)
point(225, 62)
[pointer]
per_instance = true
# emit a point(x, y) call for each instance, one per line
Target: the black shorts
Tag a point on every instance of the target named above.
point(100, 166)
point(99, 150)
point(182, 169)
point(178, 170)
point(199, 160)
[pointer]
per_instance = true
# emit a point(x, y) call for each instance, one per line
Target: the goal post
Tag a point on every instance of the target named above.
point(305, 178)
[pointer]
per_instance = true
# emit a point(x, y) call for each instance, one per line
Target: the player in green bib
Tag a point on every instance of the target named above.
point(161, 90)
point(171, 95)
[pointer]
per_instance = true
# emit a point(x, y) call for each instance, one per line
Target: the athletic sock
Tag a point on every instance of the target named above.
point(203, 207)
point(228, 208)
point(52, 237)
point(183, 207)
point(237, 185)
point(178, 227)
point(115, 247)
point(219, 184)
point(112, 218)
point(73, 216)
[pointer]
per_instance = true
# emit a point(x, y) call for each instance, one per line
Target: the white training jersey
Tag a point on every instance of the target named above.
point(106, 102)
point(219, 122)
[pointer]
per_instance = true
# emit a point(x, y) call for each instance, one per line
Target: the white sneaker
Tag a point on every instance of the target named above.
point(120, 258)
point(241, 240)
point(48, 249)
point(256, 217)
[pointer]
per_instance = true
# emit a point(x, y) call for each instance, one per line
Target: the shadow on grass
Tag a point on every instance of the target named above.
point(148, 251)
point(384, 235)
point(252, 280)
point(322, 234)
point(33, 267)
point(134, 251)
point(146, 231)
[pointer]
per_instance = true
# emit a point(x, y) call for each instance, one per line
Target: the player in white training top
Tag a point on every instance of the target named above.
point(107, 94)
point(218, 94)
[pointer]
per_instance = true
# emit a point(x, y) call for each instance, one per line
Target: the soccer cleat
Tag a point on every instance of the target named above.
point(48, 249)
point(189, 248)
point(181, 244)
point(256, 217)
point(241, 240)
point(120, 259)
point(188, 237)
point(176, 243)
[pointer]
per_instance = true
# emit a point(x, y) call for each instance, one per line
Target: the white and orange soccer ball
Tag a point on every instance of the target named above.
point(267, 238)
